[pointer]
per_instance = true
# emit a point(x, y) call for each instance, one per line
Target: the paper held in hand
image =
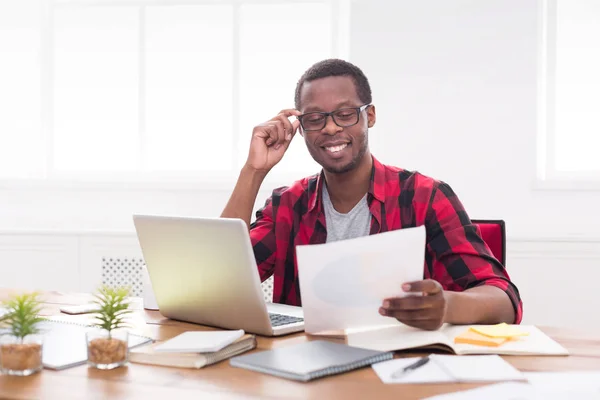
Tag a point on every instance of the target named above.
point(344, 283)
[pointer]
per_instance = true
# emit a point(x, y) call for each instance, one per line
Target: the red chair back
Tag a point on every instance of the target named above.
point(493, 233)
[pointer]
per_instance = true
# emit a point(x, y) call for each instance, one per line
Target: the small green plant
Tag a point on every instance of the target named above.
point(23, 315)
point(113, 307)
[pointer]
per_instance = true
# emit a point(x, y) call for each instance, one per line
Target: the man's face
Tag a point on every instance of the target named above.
point(337, 149)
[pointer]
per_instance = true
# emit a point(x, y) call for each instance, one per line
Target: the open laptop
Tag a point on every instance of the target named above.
point(203, 271)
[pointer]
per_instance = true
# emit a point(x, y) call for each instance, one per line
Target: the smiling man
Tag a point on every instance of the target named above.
point(355, 195)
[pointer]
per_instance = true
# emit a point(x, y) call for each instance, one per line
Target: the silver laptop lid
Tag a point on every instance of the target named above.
point(203, 271)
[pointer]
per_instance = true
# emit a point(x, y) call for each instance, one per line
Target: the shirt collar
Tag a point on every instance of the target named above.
point(376, 186)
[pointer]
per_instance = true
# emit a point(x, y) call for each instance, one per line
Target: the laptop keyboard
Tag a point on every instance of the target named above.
point(280, 319)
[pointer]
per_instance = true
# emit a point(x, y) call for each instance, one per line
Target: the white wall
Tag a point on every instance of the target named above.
point(455, 85)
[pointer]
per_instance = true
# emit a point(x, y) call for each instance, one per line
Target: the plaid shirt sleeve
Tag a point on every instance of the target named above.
point(457, 256)
point(262, 236)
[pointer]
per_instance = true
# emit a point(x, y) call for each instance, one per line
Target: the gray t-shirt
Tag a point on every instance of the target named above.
point(356, 223)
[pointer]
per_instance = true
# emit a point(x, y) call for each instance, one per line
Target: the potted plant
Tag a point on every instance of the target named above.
point(21, 346)
point(107, 346)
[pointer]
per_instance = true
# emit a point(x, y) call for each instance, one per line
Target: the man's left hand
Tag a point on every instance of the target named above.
point(425, 312)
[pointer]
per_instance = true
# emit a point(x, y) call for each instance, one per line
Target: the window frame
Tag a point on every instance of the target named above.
point(161, 180)
point(547, 175)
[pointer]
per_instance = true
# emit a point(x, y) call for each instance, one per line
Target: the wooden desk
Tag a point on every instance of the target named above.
point(224, 382)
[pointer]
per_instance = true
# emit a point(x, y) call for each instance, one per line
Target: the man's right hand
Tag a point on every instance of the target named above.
point(270, 140)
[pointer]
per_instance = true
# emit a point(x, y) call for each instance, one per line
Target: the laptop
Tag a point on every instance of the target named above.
point(203, 271)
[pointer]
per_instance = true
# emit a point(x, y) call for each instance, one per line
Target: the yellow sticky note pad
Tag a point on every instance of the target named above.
point(502, 330)
point(471, 337)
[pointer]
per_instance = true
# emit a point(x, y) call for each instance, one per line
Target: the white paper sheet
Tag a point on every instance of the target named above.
point(480, 368)
point(200, 341)
point(428, 373)
point(343, 283)
point(449, 368)
point(498, 391)
point(542, 386)
point(581, 384)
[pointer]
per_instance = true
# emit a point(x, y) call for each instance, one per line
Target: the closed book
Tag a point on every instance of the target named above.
point(149, 355)
point(310, 360)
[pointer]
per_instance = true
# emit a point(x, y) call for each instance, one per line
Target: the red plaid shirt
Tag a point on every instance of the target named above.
point(456, 256)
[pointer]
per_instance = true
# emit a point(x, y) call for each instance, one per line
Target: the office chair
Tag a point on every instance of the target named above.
point(493, 233)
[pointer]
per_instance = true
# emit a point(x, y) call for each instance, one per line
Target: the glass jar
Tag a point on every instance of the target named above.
point(107, 350)
point(20, 357)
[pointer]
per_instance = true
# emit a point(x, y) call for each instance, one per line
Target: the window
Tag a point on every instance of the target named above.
point(570, 90)
point(129, 90)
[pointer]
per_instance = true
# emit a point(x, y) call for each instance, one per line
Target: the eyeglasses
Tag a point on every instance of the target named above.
point(343, 117)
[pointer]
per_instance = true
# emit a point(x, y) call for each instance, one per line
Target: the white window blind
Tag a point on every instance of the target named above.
point(146, 89)
point(571, 89)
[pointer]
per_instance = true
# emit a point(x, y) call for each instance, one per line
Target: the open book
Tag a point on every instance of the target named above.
point(402, 337)
point(149, 355)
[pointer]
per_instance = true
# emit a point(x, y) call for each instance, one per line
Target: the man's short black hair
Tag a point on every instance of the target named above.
point(336, 67)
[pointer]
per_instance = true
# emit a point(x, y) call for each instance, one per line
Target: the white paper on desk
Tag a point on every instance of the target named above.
point(200, 342)
point(343, 283)
point(480, 368)
point(428, 373)
point(450, 368)
point(583, 384)
point(498, 391)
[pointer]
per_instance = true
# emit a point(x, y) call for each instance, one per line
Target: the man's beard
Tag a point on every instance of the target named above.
point(355, 160)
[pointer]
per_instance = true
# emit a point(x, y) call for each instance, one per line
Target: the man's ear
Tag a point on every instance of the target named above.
point(371, 116)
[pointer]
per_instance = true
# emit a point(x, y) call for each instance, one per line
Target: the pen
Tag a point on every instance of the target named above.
point(419, 363)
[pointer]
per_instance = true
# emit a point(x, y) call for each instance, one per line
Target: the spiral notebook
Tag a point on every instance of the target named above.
point(310, 360)
point(65, 344)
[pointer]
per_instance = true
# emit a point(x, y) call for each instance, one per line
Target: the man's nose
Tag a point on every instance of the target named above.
point(331, 128)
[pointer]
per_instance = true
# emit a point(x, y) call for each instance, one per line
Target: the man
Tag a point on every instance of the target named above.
point(356, 195)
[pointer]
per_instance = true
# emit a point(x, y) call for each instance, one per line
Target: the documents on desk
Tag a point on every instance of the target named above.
point(407, 338)
point(449, 368)
point(583, 385)
point(498, 391)
point(344, 283)
point(580, 384)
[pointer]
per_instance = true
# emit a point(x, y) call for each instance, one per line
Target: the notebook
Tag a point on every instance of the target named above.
point(310, 360)
point(402, 337)
point(149, 354)
point(448, 368)
point(65, 344)
point(199, 342)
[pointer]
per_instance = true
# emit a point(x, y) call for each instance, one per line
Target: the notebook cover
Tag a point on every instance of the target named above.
point(310, 360)
point(65, 344)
